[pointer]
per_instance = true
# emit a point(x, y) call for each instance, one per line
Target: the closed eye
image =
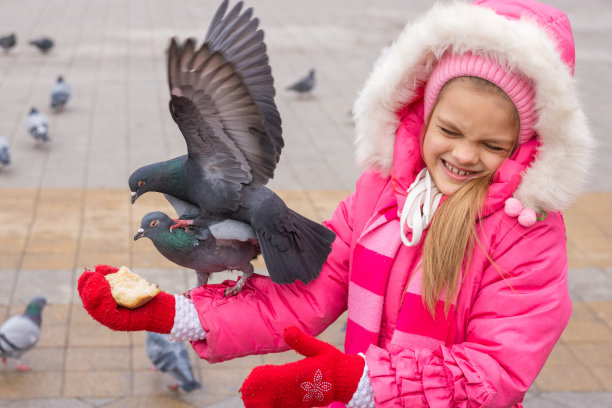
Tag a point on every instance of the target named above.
point(448, 131)
point(495, 148)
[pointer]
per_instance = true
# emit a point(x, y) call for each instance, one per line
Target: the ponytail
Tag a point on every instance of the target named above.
point(450, 241)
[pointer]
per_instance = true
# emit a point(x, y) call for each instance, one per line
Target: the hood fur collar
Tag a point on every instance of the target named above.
point(555, 179)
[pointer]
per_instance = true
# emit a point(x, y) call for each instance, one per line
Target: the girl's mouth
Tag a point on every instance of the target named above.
point(456, 171)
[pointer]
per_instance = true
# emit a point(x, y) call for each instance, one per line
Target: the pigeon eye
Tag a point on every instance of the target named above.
point(154, 223)
point(141, 183)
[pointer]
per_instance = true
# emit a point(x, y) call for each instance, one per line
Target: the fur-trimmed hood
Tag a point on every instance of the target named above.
point(523, 35)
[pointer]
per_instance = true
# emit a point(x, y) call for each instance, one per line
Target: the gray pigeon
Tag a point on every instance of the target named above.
point(172, 358)
point(304, 85)
point(21, 332)
point(60, 93)
point(222, 99)
point(8, 41)
point(44, 44)
point(226, 245)
point(37, 125)
point(5, 152)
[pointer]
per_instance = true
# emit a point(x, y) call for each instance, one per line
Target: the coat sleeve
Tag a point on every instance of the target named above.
point(517, 314)
point(253, 321)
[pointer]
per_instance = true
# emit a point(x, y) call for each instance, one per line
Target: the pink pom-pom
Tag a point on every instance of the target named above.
point(513, 207)
point(527, 217)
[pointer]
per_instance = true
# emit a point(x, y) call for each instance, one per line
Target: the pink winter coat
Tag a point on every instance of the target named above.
point(506, 325)
point(509, 314)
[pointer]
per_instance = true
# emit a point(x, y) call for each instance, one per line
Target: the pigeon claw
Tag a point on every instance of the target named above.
point(22, 367)
point(181, 224)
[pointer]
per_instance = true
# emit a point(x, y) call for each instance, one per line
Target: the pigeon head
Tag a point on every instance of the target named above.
point(60, 78)
point(152, 223)
point(33, 110)
point(164, 177)
point(36, 306)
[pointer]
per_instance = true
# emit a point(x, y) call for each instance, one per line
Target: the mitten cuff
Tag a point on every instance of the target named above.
point(187, 326)
point(348, 377)
point(364, 396)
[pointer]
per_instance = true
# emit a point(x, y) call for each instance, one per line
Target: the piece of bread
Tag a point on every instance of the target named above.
point(130, 290)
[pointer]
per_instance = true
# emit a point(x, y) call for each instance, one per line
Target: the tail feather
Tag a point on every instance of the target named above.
point(300, 255)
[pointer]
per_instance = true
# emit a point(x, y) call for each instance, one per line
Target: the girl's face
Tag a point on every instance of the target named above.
point(471, 131)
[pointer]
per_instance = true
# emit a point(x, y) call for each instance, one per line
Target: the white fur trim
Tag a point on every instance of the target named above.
point(364, 395)
point(558, 175)
point(187, 324)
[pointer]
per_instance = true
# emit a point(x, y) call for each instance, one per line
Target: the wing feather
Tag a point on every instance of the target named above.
point(238, 38)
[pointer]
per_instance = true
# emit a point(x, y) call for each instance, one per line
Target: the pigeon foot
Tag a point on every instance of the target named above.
point(22, 367)
point(174, 387)
point(237, 288)
point(181, 224)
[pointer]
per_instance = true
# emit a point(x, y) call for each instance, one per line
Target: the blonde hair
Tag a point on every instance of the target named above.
point(452, 234)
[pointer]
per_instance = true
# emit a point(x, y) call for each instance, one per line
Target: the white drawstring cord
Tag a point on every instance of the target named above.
point(421, 193)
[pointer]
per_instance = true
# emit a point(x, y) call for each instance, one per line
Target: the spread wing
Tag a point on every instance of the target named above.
point(208, 103)
point(237, 37)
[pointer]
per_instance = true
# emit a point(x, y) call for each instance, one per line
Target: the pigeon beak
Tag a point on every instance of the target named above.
point(139, 234)
point(134, 197)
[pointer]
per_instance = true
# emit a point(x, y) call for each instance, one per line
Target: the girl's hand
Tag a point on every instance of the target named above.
point(325, 376)
point(156, 316)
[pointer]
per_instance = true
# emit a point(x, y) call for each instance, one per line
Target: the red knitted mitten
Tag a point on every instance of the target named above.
point(325, 376)
point(156, 316)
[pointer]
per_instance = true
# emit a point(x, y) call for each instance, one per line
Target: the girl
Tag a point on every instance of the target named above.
point(450, 256)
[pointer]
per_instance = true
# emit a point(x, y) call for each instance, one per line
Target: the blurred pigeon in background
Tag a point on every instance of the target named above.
point(37, 125)
point(60, 93)
point(305, 85)
point(44, 44)
point(222, 99)
point(8, 41)
point(172, 358)
point(5, 152)
point(21, 332)
point(226, 245)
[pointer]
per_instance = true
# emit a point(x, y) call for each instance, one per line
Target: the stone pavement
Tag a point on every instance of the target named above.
point(66, 206)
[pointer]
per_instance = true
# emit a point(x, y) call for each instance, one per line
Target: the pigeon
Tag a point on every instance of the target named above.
point(171, 357)
point(8, 41)
point(20, 333)
point(226, 245)
point(60, 93)
point(5, 152)
point(44, 44)
point(222, 99)
point(304, 85)
point(37, 125)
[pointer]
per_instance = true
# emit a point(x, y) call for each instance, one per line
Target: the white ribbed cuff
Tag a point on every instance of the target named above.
point(187, 324)
point(364, 396)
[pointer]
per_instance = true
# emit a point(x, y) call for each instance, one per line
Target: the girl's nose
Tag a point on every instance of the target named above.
point(465, 153)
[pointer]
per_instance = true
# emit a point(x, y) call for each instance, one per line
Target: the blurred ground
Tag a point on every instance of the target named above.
point(66, 206)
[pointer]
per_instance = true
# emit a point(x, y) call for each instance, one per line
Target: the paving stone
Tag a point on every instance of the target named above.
point(580, 399)
point(98, 359)
point(100, 384)
point(94, 334)
point(48, 403)
point(567, 378)
point(32, 384)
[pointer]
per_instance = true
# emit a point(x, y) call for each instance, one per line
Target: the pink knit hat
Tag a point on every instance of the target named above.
point(518, 88)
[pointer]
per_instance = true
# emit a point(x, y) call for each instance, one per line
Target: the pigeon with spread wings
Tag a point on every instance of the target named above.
point(222, 99)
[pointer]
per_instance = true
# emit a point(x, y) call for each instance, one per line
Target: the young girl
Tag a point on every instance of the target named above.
point(450, 256)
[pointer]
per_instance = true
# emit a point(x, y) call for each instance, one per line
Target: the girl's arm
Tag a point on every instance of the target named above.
point(253, 321)
point(514, 322)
